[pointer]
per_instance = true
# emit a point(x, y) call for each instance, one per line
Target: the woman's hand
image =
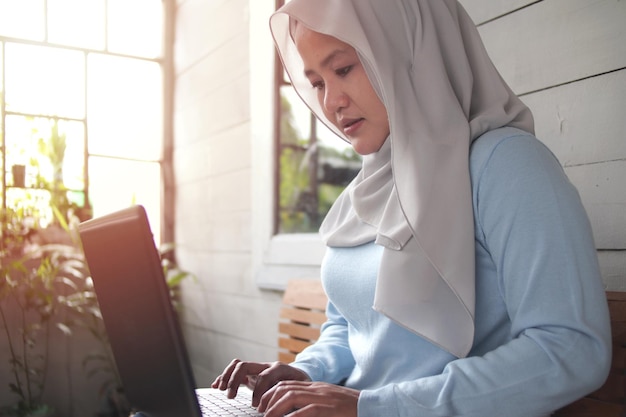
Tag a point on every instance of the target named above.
point(259, 377)
point(309, 399)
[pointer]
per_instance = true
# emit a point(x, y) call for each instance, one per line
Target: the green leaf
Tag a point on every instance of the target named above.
point(175, 279)
point(60, 218)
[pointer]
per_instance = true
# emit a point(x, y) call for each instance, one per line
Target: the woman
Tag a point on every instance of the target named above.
point(461, 270)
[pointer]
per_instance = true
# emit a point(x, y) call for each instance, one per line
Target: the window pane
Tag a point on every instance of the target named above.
point(22, 19)
point(136, 27)
point(32, 202)
point(44, 80)
point(37, 202)
point(77, 23)
point(125, 107)
point(47, 87)
point(296, 114)
point(45, 162)
point(315, 166)
point(338, 164)
point(51, 150)
point(116, 184)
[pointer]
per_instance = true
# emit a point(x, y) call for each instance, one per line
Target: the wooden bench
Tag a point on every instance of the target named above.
point(303, 312)
point(610, 399)
point(301, 316)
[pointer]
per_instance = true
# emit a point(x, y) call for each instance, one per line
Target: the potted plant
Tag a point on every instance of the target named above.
point(31, 277)
point(45, 287)
point(19, 175)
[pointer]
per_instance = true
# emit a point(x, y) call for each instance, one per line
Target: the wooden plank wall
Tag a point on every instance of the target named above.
point(225, 314)
point(567, 60)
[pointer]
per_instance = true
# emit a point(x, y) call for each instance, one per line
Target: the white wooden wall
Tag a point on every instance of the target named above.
point(565, 58)
point(225, 314)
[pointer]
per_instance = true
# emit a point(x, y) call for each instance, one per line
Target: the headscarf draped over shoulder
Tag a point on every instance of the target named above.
point(428, 65)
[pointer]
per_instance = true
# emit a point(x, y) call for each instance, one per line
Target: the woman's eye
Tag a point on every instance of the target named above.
point(318, 85)
point(342, 72)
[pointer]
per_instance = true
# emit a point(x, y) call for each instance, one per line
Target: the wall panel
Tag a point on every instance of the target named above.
point(557, 41)
point(567, 60)
point(484, 10)
point(603, 192)
point(583, 122)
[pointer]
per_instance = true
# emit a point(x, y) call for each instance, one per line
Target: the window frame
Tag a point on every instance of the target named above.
point(276, 257)
point(165, 160)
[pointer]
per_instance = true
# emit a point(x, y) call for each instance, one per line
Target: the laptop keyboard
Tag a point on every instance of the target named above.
point(214, 403)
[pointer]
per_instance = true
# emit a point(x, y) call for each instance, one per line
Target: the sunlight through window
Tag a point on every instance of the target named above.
point(43, 80)
point(81, 106)
point(77, 23)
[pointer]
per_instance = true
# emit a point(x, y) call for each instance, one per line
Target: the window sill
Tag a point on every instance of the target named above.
point(290, 256)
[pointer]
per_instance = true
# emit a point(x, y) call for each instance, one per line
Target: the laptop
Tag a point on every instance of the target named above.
point(142, 325)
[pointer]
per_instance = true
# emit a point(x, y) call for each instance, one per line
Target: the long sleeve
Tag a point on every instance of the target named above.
point(534, 238)
point(330, 358)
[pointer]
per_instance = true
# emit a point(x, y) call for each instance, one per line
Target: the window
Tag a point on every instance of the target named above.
point(81, 105)
point(291, 150)
point(313, 164)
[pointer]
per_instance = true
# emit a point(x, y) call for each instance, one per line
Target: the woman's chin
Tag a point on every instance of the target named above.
point(363, 146)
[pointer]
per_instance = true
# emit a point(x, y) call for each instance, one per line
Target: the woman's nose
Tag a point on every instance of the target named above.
point(335, 99)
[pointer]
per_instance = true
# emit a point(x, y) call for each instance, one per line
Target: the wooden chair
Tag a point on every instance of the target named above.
point(303, 312)
point(610, 399)
point(301, 316)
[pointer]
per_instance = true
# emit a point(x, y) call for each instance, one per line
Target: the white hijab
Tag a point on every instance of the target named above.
point(427, 63)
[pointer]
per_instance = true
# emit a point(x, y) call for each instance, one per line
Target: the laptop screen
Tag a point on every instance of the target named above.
point(138, 315)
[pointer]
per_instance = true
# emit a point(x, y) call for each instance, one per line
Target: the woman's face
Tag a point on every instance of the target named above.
point(343, 89)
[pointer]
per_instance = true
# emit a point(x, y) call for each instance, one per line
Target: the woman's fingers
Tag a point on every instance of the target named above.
point(279, 389)
point(221, 381)
point(268, 378)
point(238, 373)
point(258, 376)
point(244, 373)
point(308, 399)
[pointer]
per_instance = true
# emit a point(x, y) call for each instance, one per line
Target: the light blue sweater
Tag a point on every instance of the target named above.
point(542, 326)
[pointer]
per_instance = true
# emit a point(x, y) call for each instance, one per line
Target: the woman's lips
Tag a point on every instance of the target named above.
point(352, 126)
